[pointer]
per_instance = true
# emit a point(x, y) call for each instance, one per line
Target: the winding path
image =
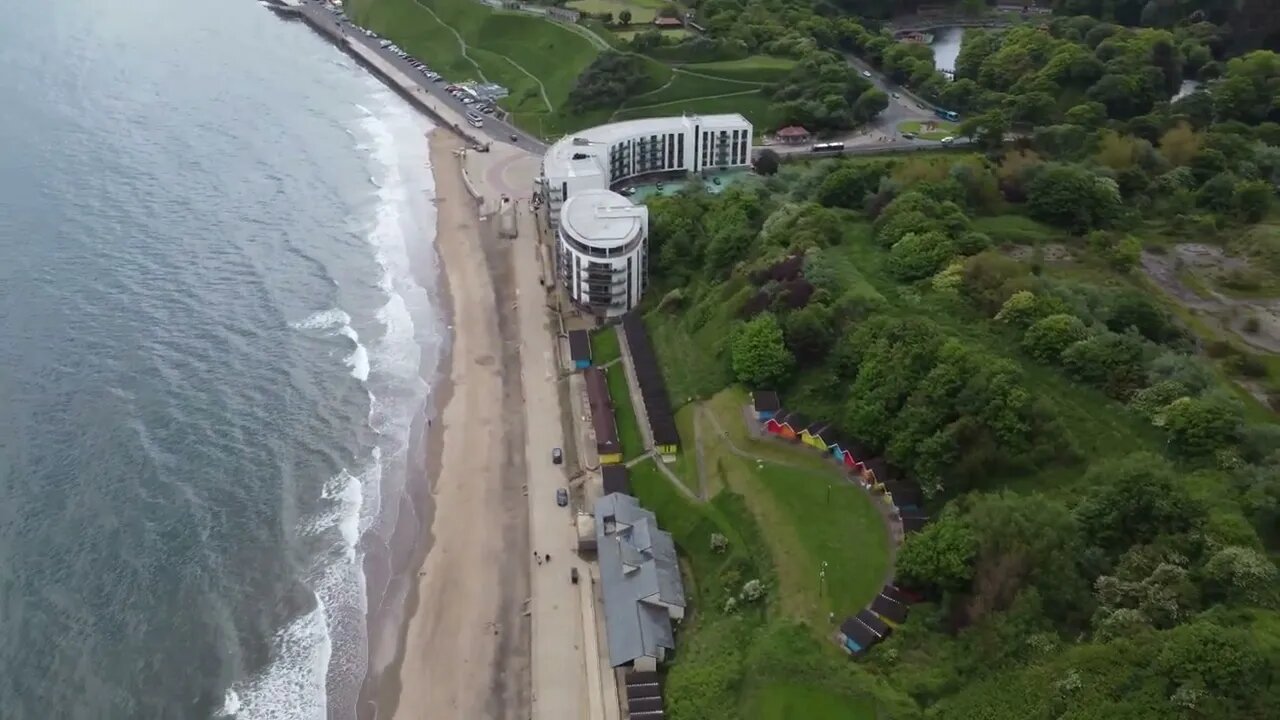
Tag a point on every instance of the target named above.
point(462, 45)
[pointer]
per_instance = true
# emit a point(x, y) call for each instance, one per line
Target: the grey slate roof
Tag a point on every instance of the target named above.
point(638, 571)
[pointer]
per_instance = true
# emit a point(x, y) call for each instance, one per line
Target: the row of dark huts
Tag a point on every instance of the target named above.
point(653, 388)
point(603, 421)
point(875, 622)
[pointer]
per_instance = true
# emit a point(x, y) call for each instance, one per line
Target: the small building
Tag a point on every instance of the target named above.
point(855, 637)
point(641, 584)
point(905, 495)
point(891, 611)
point(875, 472)
point(812, 435)
point(563, 14)
point(793, 135)
point(667, 23)
point(602, 420)
point(766, 404)
point(913, 521)
point(615, 479)
point(666, 438)
point(874, 623)
point(580, 349)
point(894, 593)
point(787, 425)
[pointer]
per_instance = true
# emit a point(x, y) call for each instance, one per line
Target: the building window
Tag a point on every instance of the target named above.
point(680, 150)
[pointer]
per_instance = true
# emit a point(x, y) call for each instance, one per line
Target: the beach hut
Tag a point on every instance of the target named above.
point(812, 435)
point(905, 495)
point(602, 420)
point(580, 349)
point(774, 425)
point(891, 611)
point(791, 426)
point(855, 637)
point(874, 473)
point(766, 404)
point(913, 521)
point(615, 480)
point(874, 623)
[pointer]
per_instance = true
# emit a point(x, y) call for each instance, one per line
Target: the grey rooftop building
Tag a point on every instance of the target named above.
point(640, 577)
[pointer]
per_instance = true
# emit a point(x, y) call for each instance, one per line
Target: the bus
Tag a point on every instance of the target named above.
point(827, 147)
point(475, 118)
point(951, 115)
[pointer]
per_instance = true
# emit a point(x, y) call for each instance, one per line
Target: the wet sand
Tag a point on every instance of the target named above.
point(463, 649)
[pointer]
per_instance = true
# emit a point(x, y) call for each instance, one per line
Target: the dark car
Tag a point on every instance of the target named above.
point(562, 497)
point(573, 575)
point(557, 456)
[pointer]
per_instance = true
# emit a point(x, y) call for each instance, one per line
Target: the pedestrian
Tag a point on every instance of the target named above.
point(548, 557)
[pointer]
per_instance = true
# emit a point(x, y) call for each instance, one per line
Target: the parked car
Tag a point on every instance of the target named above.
point(557, 456)
point(487, 109)
point(896, 96)
point(562, 497)
point(908, 136)
point(573, 575)
point(948, 140)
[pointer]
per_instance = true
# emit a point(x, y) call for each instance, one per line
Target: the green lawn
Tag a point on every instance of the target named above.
point(527, 54)
point(937, 129)
point(754, 106)
point(624, 413)
point(809, 514)
point(1016, 230)
point(756, 68)
point(605, 347)
point(783, 701)
point(632, 30)
point(642, 11)
point(684, 86)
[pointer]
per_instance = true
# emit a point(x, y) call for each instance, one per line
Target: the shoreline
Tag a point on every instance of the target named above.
point(461, 637)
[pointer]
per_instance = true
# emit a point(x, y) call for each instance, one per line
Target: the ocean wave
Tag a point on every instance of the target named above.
point(328, 648)
point(338, 322)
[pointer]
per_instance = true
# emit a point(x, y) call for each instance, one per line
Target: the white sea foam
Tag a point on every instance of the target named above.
point(338, 322)
point(328, 648)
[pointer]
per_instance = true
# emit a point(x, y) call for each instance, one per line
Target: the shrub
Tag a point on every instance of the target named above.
point(1046, 339)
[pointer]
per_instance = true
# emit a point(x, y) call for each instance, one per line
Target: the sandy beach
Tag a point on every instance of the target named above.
point(465, 646)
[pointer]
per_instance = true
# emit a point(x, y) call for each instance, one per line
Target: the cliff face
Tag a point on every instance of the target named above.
point(1256, 24)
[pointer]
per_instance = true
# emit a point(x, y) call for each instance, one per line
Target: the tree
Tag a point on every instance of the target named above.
point(1219, 194)
point(849, 185)
point(1253, 200)
point(869, 104)
point(1046, 339)
point(1200, 426)
point(940, 556)
point(918, 255)
point(766, 162)
point(1135, 501)
point(810, 332)
point(624, 17)
point(759, 355)
point(1180, 144)
point(1109, 361)
point(1240, 574)
point(1089, 115)
point(1072, 196)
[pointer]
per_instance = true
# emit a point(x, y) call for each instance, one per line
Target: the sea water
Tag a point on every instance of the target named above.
point(218, 339)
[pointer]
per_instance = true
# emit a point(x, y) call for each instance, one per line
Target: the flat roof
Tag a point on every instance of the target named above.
point(602, 218)
point(578, 154)
point(766, 400)
point(579, 345)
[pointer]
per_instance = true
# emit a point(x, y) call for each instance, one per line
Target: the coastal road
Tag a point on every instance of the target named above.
point(563, 686)
point(494, 129)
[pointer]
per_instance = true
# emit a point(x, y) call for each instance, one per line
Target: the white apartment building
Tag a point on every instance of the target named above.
point(602, 157)
point(602, 251)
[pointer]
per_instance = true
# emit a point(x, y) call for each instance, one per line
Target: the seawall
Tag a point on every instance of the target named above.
point(407, 87)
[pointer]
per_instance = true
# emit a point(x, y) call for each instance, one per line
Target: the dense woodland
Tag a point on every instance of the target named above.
point(1106, 494)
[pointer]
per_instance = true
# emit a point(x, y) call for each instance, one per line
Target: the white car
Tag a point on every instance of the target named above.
point(866, 73)
point(947, 140)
